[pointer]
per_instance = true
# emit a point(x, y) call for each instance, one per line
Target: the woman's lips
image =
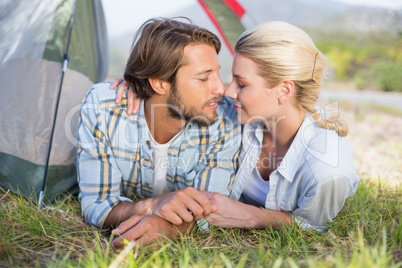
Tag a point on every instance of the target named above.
point(237, 107)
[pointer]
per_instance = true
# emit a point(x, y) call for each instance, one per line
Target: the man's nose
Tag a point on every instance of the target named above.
point(218, 87)
point(231, 92)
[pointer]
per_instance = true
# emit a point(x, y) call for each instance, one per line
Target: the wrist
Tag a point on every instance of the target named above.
point(251, 216)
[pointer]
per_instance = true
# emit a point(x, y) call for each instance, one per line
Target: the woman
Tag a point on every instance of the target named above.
point(295, 165)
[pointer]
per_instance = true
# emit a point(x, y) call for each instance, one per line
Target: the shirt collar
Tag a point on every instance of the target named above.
point(142, 124)
point(291, 162)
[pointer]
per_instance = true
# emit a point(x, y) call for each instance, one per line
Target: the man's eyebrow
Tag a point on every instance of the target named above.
point(205, 71)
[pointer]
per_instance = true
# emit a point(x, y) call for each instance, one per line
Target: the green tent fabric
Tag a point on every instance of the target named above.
point(226, 16)
point(34, 39)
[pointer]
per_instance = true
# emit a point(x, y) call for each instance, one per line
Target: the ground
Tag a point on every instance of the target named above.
point(376, 139)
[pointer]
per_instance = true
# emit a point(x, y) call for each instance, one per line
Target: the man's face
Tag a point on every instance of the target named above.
point(198, 87)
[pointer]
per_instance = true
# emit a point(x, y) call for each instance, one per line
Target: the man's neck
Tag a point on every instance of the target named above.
point(160, 124)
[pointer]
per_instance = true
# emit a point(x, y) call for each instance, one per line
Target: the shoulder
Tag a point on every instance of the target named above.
point(101, 93)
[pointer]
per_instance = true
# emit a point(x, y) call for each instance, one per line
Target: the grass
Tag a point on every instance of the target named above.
point(367, 233)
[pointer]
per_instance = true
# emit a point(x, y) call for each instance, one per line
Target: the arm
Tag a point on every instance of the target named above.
point(232, 213)
point(321, 203)
point(99, 178)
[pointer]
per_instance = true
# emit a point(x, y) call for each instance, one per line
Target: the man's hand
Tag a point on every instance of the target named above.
point(147, 229)
point(185, 205)
point(133, 101)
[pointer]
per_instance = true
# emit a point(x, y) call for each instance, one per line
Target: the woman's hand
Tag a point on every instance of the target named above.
point(133, 101)
point(232, 213)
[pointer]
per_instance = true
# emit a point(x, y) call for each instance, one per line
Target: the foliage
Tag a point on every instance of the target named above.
point(372, 60)
point(367, 233)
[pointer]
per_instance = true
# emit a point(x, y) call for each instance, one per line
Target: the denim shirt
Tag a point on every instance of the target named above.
point(313, 180)
point(114, 154)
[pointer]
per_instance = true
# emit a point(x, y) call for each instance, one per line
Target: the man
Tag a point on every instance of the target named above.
point(185, 138)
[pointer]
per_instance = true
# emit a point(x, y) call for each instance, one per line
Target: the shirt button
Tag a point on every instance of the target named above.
point(147, 183)
point(270, 200)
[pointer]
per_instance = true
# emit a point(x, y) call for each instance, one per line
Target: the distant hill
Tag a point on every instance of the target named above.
point(321, 15)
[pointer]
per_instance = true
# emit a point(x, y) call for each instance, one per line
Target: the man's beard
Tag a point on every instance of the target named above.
point(177, 109)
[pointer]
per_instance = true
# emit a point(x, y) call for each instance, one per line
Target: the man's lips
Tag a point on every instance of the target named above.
point(212, 103)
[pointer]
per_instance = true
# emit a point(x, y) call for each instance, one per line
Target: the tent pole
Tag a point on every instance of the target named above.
point(64, 67)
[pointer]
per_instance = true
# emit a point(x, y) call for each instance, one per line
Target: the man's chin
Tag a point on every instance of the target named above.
point(204, 120)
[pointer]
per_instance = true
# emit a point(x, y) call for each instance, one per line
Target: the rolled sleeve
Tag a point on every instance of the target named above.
point(319, 206)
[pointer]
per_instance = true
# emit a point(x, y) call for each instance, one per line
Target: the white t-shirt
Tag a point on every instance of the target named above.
point(256, 190)
point(160, 163)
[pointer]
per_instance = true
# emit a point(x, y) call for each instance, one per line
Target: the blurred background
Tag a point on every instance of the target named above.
point(362, 40)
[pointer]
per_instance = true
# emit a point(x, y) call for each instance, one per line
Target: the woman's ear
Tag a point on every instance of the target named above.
point(286, 91)
point(159, 86)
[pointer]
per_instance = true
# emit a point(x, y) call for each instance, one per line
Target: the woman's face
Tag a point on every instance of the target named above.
point(254, 100)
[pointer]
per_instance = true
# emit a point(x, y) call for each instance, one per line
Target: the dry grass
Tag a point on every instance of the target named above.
point(367, 233)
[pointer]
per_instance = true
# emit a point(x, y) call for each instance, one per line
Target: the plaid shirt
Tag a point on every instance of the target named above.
point(115, 154)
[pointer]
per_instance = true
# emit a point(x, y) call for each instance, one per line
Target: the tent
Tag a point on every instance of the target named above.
point(34, 36)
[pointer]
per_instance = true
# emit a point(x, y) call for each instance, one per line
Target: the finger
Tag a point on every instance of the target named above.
point(126, 225)
point(130, 235)
point(118, 243)
point(173, 216)
point(214, 209)
point(203, 201)
point(130, 101)
point(188, 210)
point(205, 213)
point(190, 200)
point(136, 105)
point(117, 81)
point(120, 90)
point(149, 239)
point(119, 94)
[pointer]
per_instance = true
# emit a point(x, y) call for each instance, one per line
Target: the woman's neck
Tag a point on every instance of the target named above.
point(283, 127)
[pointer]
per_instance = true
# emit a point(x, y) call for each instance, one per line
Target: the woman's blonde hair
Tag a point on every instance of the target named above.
point(285, 52)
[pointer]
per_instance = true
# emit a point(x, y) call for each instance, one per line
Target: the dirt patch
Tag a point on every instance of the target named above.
point(376, 138)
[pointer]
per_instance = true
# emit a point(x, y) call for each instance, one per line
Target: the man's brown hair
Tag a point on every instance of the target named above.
point(157, 52)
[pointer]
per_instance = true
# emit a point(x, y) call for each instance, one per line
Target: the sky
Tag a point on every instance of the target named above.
point(123, 16)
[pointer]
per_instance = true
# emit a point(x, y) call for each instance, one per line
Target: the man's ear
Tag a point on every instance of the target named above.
point(286, 91)
point(161, 87)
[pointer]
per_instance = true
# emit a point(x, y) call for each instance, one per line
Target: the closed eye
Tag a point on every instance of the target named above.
point(240, 85)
